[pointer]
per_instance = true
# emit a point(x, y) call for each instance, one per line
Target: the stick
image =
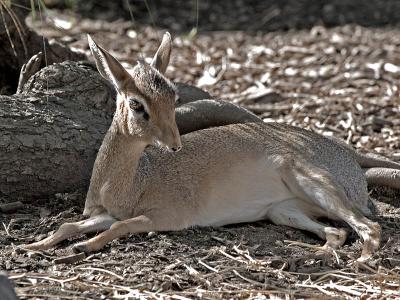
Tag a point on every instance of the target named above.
point(11, 207)
point(70, 259)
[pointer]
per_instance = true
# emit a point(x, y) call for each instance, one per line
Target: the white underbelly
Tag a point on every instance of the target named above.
point(244, 193)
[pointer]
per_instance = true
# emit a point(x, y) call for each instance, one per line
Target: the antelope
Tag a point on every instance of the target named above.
point(235, 173)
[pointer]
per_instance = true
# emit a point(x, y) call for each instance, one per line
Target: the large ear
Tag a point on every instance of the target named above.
point(109, 67)
point(161, 58)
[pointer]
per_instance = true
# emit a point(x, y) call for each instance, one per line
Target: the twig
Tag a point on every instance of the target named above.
point(50, 296)
point(228, 255)
point(207, 266)
point(316, 287)
point(102, 270)
point(247, 279)
point(11, 206)
point(305, 245)
point(6, 228)
point(70, 259)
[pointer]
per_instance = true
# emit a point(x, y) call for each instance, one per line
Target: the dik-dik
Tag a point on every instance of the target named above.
point(211, 177)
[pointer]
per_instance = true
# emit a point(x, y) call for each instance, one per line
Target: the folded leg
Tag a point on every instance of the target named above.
point(298, 214)
point(67, 230)
point(118, 229)
point(317, 186)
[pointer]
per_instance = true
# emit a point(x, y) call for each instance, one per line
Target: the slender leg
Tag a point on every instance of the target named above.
point(67, 230)
point(297, 214)
point(318, 187)
point(118, 229)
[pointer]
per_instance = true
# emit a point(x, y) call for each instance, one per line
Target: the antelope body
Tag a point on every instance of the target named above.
point(223, 175)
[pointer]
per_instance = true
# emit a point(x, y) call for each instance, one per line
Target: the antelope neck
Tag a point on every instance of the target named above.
point(114, 170)
point(121, 156)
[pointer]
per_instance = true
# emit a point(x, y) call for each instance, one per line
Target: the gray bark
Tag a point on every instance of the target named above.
point(18, 44)
point(50, 132)
point(208, 113)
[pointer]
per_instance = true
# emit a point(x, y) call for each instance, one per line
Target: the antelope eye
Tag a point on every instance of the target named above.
point(138, 108)
point(136, 105)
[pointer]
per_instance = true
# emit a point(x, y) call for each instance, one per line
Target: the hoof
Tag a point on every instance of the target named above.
point(80, 248)
point(323, 253)
point(364, 258)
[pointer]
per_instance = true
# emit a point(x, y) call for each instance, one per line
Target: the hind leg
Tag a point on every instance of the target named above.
point(318, 187)
point(298, 214)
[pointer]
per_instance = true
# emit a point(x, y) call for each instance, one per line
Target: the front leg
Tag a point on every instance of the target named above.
point(139, 224)
point(67, 230)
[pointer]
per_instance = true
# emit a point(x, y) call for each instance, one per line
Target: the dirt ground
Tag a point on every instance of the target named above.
point(341, 81)
point(247, 15)
point(239, 261)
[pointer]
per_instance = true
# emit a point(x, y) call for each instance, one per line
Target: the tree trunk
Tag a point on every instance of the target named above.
point(18, 44)
point(50, 132)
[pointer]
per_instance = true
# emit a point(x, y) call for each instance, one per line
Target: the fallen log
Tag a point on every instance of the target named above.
point(18, 43)
point(50, 132)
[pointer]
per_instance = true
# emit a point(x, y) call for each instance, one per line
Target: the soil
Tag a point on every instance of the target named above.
point(238, 261)
point(341, 81)
point(247, 15)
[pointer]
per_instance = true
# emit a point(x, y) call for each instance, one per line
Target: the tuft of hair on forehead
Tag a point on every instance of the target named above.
point(151, 83)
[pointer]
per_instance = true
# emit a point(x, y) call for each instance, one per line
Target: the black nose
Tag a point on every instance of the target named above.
point(176, 149)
